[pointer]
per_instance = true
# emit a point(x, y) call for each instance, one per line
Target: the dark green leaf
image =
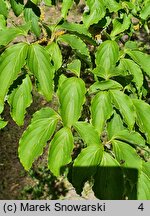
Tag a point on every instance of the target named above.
point(85, 166)
point(108, 183)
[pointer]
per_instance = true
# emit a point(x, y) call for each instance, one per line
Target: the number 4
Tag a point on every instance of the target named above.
point(141, 207)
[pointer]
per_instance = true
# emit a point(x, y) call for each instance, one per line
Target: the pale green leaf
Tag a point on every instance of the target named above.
point(115, 125)
point(101, 110)
point(75, 67)
point(104, 85)
point(88, 133)
point(20, 99)
point(11, 62)
point(2, 22)
point(141, 59)
point(132, 137)
point(3, 8)
point(8, 34)
point(133, 69)
point(55, 53)
point(125, 106)
point(96, 12)
point(85, 166)
point(106, 57)
point(37, 134)
point(60, 150)
point(66, 5)
point(142, 117)
point(71, 96)
point(77, 44)
point(108, 180)
point(17, 6)
point(39, 64)
point(124, 152)
point(145, 12)
point(120, 25)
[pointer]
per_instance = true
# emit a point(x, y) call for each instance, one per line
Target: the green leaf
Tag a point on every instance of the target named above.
point(115, 125)
point(141, 59)
point(112, 5)
point(75, 67)
point(71, 96)
point(20, 99)
point(135, 70)
point(101, 110)
point(104, 85)
point(66, 5)
point(30, 16)
point(87, 133)
point(96, 12)
point(125, 106)
point(37, 134)
point(119, 27)
point(76, 28)
point(39, 64)
point(142, 117)
point(2, 22)
point(60, 150)
point(8, 34)
point(36, 1)
point(17, 6)
point(3, 8)
point(145, 12)
point(132, 137)
point(48, 2)
point(106, 57)
point(2, 123)
point(11, 62)
point(143, 187)
point(124, 152)
point(77, 44)
point(85, 166)
point(108, 180)
point(55, 53)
